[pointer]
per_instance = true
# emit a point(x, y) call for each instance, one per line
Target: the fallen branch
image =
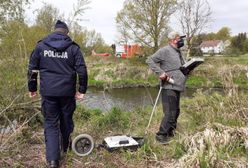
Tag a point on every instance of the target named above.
point(2, 147)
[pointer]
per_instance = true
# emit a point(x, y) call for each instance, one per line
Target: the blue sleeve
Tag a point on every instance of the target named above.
point(81, 70)
point(33, 69)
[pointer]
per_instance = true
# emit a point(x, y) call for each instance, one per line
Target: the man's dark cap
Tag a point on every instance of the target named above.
point(60, 24)
point(183, 36)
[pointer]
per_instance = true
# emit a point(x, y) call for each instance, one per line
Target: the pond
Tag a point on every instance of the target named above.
point(127, 98)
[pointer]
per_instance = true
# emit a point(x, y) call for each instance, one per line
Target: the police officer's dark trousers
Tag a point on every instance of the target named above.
point(171, 109)
point(58, 124)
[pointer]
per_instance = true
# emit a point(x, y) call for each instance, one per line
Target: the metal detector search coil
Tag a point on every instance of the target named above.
point(120, 141)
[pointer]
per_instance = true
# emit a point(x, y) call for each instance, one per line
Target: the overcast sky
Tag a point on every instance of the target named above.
point(102, 13)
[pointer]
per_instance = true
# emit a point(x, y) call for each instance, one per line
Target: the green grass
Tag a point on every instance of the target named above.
point(96, 83)
point(241, 80)
point(115, 72)
point(196, 81)
point(242, 60)
point(197, 113)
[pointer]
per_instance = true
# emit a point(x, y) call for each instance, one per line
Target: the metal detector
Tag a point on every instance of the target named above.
point(83, 144)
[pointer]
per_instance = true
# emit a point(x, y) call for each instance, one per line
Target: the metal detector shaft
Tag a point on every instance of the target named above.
point(153, 109)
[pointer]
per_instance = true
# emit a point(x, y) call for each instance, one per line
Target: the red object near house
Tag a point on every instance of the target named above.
point(103, 54)
point(100, 54)
point(132, 50)
point(124, 55)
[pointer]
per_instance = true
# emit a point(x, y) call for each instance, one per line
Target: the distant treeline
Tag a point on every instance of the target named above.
point(235, 45)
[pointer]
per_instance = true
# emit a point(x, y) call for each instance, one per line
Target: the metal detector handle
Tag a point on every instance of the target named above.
point(161, 82)
point(154, 106)
point(168, 79)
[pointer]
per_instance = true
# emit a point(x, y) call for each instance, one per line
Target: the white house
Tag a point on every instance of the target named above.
point(212, 47)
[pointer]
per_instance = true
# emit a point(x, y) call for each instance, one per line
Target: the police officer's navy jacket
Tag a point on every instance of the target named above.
point(59, 61)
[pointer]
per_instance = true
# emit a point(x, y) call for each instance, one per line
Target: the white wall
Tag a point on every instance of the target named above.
point(216, 50)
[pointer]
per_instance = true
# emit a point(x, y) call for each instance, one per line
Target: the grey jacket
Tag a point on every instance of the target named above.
point(168, 59)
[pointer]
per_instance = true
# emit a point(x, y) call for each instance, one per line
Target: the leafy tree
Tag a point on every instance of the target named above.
point(145, 21)
point(94, 41)
point(47, 17)
point(18, 40)
point(89, 40)
point(30, 39)
point(246, 45)
point(12, 41)
point(196, 42)
point(210, 36)
point(223, 34)
point(239, 43)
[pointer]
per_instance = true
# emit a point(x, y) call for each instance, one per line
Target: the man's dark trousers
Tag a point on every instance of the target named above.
point(171, 108)
point(58, 112)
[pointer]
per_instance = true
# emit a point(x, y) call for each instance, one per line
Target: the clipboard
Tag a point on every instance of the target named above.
point(191, 65)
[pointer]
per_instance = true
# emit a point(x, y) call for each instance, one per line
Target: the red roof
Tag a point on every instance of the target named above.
point(211, 43)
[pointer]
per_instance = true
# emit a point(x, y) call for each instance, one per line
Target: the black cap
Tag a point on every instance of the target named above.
point(60, 24)
point(183, 36)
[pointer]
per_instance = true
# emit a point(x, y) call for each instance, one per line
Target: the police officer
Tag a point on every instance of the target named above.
point(166, 63)
point(59, 62)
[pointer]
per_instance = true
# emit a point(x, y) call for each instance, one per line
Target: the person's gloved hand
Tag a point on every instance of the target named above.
point(79, 96)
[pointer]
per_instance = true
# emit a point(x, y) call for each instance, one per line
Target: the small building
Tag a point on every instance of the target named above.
point(128, 51)
point(212, 47)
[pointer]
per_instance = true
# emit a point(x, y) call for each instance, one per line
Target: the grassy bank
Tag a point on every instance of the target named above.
point(118, 73)
point(115, 72)
point(212, 129)
point(212, 132)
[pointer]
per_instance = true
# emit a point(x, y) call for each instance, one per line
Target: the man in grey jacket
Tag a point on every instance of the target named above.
point(166, 63)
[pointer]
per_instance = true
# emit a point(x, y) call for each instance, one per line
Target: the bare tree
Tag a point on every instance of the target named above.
point(194, 16)
point(76, 15)
point(145, 21)
point(124, 36)
point(12, 10)
point(78, 10)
